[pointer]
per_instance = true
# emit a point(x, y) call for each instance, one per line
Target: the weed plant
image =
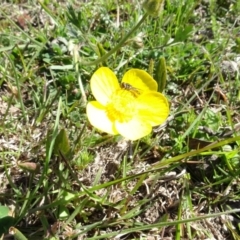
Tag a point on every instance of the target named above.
point(62, 179)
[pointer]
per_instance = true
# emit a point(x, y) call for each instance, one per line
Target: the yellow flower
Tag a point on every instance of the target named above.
point(130, 109)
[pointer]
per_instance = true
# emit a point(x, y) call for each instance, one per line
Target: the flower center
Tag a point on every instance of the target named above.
point(122, 106)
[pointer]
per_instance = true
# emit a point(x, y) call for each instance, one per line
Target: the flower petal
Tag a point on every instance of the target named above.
point(103, 84)
point(153, 108)
point(140, 79)
point(96, 114)
point(134, 129)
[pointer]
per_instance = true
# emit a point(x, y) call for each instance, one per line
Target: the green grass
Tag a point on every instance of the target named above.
point(62, 179)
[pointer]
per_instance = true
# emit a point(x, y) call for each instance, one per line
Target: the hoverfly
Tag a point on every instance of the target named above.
point(135, 92)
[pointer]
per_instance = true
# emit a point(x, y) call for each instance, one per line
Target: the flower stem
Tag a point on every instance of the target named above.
point(119, 45)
